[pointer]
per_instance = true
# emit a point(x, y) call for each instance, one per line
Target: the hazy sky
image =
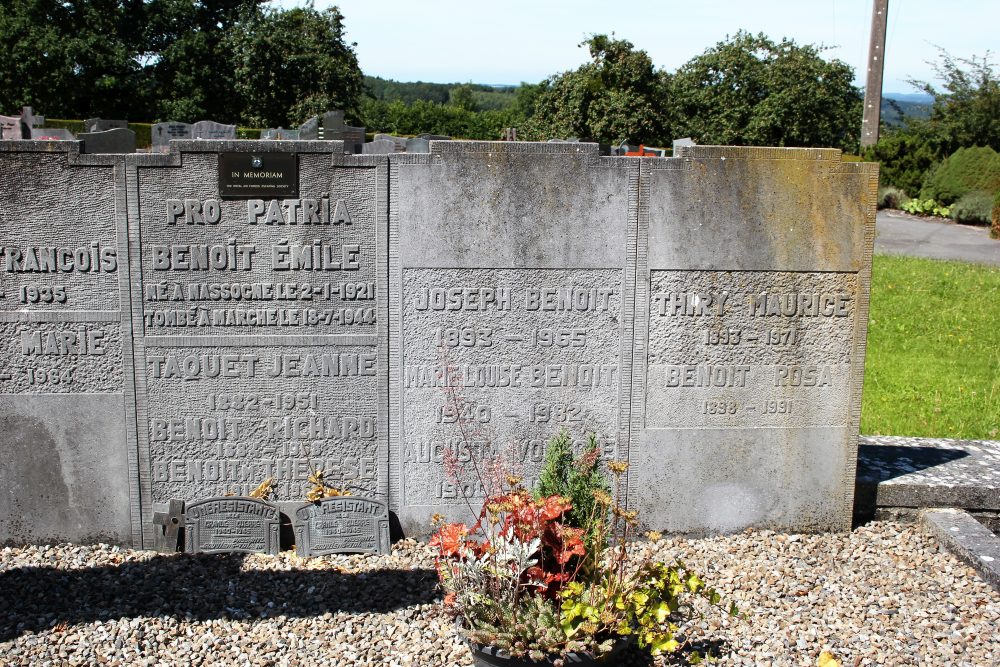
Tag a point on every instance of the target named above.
point(527, 40)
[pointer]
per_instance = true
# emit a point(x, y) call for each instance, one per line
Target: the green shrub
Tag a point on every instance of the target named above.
point(973, 208)
point(891, 197)
point(576, 478)
point(903, 159)
point(926, 207)
point(995, 227)
point(966, 170)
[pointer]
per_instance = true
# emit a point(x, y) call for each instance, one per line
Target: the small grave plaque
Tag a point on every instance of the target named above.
point(231, 523)
point(162, 133)
point(11, 127)
point(343, 524)
point(103, 125)
point(209, 129)
point(249, 175)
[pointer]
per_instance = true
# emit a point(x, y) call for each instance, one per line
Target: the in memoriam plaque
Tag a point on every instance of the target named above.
point(66, 415)
point(260, 326)
point(232, 523)
point(342, 524)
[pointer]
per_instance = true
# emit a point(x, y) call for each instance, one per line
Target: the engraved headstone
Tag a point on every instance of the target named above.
point(231, 523)
point(379, 146)
point(103, 124)
point(52, 133)
point(261, 332)
point(342, 524)
point(280, 134)
point(309, 130)
point(109, 141)
point(335, 129)
point(514, 283)
point(163, 133)
point(11, 127)
point(680, 144)
point(399, 143)
point(67, 439)
point(209, 129)
point(751, 314)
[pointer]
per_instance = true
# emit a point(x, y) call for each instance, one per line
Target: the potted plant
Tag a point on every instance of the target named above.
point(528, 588)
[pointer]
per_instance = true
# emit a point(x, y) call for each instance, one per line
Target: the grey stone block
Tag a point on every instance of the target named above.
point(118, 140)
point(967, 539)
point(163, 133)
point(232, 524)
point(209, 129)
point(343, 524)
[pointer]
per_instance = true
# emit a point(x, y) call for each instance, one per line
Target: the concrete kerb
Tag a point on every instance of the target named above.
point(967, 539)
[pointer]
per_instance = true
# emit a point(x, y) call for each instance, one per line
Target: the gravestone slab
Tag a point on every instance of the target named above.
point(163, 133)
point(109, 141)
point(680, 144)
point(232, 524)
point(66, 409)
point(103, 125)
point(434, 137)
point(209, 129)
point(30, 118)
point(342, 524)
point(751, 316)
point(512, 289)
point(309, 130)
point(11, 127)
point(260, 325)
point(52, 133)
point(418, 145)
point(380, 147)
point(398, 142)
point(280, 134)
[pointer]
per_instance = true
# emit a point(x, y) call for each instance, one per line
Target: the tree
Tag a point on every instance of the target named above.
point(616, 97)
point(750, 90)
point(69, 58)
point(290, 65)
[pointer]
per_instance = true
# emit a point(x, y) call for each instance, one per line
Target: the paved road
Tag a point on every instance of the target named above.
point(901, 234)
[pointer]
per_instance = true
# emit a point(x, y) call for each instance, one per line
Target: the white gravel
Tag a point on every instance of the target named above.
point(883, 594)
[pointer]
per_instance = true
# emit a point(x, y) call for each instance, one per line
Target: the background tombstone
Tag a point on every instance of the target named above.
point(109, 141)
point(379, 146)
point(342, 524)
point(309, 129)
point(681, 144)
point(12, 127)
point(434, 137)
point(67, 421)
point(533, 243)
point(751, 316)
point(418, 145)
point(163, 133)
point(30, 118)
point(299, 328)
point(209, 129)
point(232, 523)
point(102, 125)
point(52, 133)
point(398, 142)
point(335, 129)
point(279, 134)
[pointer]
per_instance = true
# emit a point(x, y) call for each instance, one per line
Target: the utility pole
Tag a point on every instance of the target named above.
point(876, 64)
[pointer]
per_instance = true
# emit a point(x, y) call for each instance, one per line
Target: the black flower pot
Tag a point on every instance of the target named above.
point(490, 656)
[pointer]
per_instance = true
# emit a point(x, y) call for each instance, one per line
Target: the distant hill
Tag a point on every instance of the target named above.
point(486, 96)
point(896, 107)
point(918, 98)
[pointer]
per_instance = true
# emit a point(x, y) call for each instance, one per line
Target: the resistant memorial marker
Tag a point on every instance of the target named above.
point(342, 524)
point(230, 523)
point(261, 345)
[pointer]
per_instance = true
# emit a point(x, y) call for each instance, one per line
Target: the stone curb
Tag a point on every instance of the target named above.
point(967, 539)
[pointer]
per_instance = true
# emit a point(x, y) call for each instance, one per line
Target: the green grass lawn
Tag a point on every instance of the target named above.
point(933, 362)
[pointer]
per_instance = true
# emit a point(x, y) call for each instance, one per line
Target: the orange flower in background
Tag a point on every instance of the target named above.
point(450, 538)
point(553, 507)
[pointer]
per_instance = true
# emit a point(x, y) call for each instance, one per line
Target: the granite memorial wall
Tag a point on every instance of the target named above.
point(185, 325)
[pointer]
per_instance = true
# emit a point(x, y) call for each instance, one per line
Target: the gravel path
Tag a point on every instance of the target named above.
point(881, 595)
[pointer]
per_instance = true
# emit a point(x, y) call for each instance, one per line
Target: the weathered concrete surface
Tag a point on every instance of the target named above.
point(897, 471)
point(745, 412)
point(968, 539)
point(901, 234)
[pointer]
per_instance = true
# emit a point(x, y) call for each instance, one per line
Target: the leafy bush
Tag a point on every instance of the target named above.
point(891, 197)
point(995, 227)
point(903, 157)
point(966, 170)
point(973, 208)
point(926, 207)
point(577, 479)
